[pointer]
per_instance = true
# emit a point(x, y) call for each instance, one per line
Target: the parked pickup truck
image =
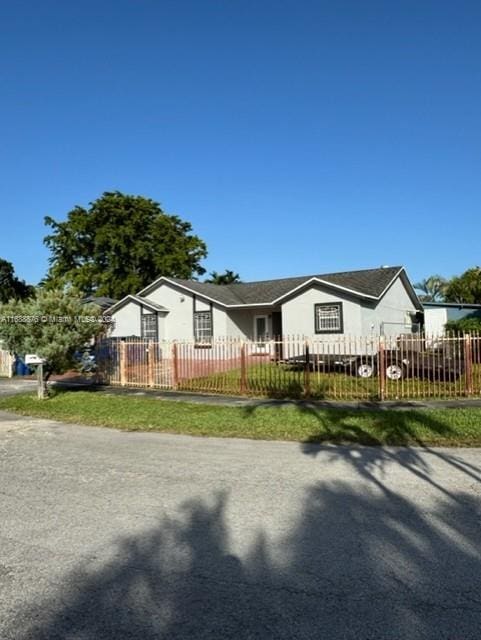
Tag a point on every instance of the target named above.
point(408, 358)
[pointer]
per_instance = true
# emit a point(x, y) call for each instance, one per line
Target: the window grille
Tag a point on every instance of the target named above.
point(328, 317)
point(203, 327)
point(149, 326)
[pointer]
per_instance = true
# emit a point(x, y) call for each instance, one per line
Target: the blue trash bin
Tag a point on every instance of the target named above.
point(21, 369)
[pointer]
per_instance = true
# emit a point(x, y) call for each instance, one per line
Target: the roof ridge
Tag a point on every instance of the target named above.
point(303, 277)
point(306, 277)
point(364, 282)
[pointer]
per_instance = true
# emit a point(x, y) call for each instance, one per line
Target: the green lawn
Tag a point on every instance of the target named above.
point(284, 422)
point(278, 381)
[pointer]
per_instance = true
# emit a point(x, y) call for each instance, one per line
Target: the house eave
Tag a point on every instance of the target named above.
point(328, 284)
point(250, 305)
point(269, 303)
point(194, 292)
point(135, 299)
point(407, 283)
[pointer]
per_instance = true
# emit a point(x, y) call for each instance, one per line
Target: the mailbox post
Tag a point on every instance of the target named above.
point(34, 359)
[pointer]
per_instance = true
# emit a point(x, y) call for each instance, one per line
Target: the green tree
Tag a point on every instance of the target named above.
point(433, 288)
point(465, 325)
point(11, 288)
point(228, 277)
point(119, 245)
point(465, 288)
point(52, 324)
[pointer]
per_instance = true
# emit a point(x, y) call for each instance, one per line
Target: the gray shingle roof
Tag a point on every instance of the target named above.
point(142, 301)
point(101, 301)
point(149, 303)
point(366, 282)
point(221, 293)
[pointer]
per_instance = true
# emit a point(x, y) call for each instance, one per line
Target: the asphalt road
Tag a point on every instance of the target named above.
point(11, 386)
point(135, 536)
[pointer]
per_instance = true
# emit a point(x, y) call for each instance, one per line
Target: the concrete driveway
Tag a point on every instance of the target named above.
point(145, 536)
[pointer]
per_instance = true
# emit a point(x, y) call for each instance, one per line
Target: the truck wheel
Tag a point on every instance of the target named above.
point(364, 369)
point(394, 371)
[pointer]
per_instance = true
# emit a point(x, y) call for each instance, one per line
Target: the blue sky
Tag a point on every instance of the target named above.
point(297, 137)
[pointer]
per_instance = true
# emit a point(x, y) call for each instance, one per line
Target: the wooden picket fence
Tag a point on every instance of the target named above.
point(410, 366)
point(6, 364)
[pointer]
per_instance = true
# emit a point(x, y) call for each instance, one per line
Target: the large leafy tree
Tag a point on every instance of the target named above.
point(119, 245)
point(11, 287)
point(433, 289)
point(52, 324)
point(465, 288)
point(228, 277)
point(465, 325)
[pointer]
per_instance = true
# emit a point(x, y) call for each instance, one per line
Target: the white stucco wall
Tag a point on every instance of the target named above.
point(232, 323)
point(390, 315)
point(298, 313)
point(126, 321)
point(179, 322)
point(240, 322)
point(434, 321)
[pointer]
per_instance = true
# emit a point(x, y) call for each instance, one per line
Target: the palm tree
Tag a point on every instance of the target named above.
point(229, 277)
point(433, 288)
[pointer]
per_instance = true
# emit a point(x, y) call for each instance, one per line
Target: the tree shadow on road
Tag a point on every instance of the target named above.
point(400, 429)
point(356, 562)
point(394, 437)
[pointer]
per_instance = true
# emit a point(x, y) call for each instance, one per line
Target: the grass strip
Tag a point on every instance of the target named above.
point(302, 423)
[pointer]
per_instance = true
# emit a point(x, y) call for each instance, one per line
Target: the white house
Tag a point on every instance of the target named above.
point(437, 314)
point(366, 302)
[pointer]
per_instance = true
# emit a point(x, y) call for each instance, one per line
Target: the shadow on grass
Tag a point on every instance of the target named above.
point(340, 425)
point(391, 427)
point(353, 564)
point(57, 389)
point(291, 389)
point(388, 427)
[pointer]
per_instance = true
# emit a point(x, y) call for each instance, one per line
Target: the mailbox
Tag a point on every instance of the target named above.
point(32, 358)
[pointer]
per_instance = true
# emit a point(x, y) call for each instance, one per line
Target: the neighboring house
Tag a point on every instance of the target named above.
point(371, 301)
point(102, 302)
point(436, 314)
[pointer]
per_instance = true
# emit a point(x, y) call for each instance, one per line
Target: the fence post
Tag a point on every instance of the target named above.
point(175, 365)
point(468, 364)
point(307, 371)
point(150, 363)
point(122, 364)
point(99, 364)
point(243, 374)
point(40, 383)
point(381, 365)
